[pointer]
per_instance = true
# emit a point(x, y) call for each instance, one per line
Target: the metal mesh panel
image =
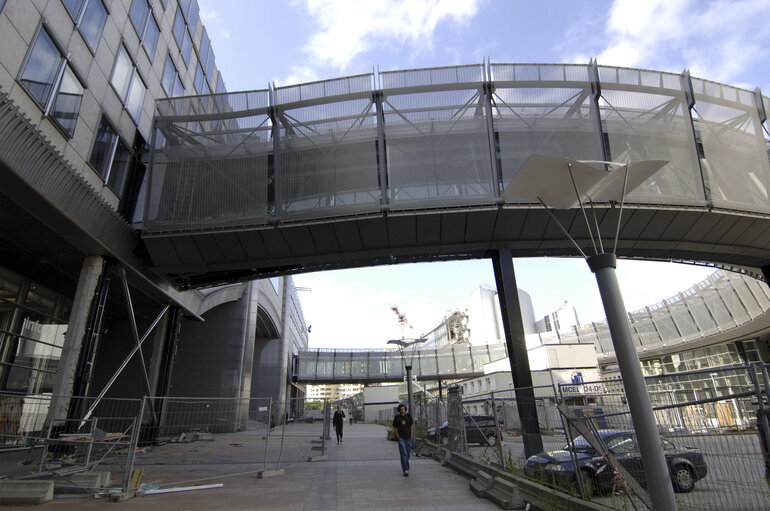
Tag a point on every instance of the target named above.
point(736, 160)
point(323, 89)
point(210, 165)
point(702, 316)
point(328, 160)
point(718, 308)
point(747, 297)
point(539, 72)
point(435, 76)
point(654, 126)
point(540, 120)
point(740, 315)
point(438, 148)
point(682, 318)
point(462, 354)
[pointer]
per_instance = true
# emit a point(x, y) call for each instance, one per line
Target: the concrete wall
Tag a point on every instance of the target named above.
point(208, 358)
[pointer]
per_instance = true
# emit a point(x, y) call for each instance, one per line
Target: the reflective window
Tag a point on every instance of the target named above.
point(66, 105)
point(89, 16)
point(200, 79)
point(220, 84)
point(210, 62)
point(121, 73)
point(179, 28)
point(40, 72)
point(171, 82)
point(145, 25)
point(203, 50)
point(135, 99)
point(110, 157)
point(2, 4)
point(128, 84)
point(186, 48)
point(50, 81)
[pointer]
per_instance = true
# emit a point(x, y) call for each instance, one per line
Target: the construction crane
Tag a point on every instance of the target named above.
point(402, 321)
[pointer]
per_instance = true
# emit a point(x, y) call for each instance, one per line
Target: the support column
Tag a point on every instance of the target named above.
point(81, 337)
point(653, 459)
point(513, 329)
point(409, 388)
point(247, 352)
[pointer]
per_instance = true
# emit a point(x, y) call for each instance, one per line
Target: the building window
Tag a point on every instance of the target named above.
point(89, 16)
point(170, 80)
point(51, 83)
point(110, 157)
point(145, 25)
point(182, 37)
point(128, 84)
point(2, 4)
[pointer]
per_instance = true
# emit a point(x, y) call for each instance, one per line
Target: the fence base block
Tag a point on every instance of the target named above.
point(320, 457)
point(25, 492)
point(271, 473)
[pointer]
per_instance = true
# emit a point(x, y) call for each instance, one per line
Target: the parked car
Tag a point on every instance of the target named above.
point(685, 464)
point(479, 429)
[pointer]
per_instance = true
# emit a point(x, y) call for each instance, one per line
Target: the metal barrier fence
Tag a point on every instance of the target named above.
point(155, 442)
point(36, 444)
point(711, 424)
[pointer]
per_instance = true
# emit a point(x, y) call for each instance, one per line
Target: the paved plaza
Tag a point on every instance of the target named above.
point(362, 473)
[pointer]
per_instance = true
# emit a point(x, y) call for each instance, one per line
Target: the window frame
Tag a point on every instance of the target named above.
point(78, 20)
point(52, 95)
point(133, 75)
point(176, 79)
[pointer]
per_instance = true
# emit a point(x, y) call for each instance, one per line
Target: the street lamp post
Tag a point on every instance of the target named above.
point(403, 344)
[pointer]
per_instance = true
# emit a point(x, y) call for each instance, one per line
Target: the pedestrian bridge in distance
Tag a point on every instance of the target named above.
point(405, 166)
point(723, 307)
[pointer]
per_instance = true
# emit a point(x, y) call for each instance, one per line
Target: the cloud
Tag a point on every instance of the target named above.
point(300, 74)
point(348, 28)
point(708, 37)
point(216, 27)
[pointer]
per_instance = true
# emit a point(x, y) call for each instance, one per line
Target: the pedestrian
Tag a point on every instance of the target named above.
point(404, 427)
point(338, 421)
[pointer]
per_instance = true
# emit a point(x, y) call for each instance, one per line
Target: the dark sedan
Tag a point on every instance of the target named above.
point(686, 464)
point(479, 429)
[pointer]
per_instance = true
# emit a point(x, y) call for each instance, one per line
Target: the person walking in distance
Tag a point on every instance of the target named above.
point(337, 421)
point(404, 427)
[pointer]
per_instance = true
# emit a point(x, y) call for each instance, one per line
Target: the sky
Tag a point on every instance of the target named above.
point(258, 42)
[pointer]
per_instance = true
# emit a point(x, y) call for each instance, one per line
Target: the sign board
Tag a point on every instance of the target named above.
point(583, 388)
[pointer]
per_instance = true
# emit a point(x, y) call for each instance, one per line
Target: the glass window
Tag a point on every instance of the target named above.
point(151, 36)
point(210, 62)
point(110, 157)
point(135, 98)
point(169, 72)
point(120, 165)
point(73, 6)
point(186, 48)
point(128, 84)
point(40, 72)
point(200, 78)
point(203, 51)
point(171, 82)
point(140, 9)
point(89, 16)
point(145, 25)
point(179, 28)
point(121, 74)
point(66, 106)
point(220, 84)
point(92, 24)
point(50, 81)
point(104, 144)
point(2, 4)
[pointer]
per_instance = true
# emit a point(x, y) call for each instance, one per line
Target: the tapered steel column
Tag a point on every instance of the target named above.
point(409, 388)
point(513, 327)
point(654, 461)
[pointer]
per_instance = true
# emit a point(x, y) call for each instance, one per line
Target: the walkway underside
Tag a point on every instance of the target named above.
point(197, 259)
